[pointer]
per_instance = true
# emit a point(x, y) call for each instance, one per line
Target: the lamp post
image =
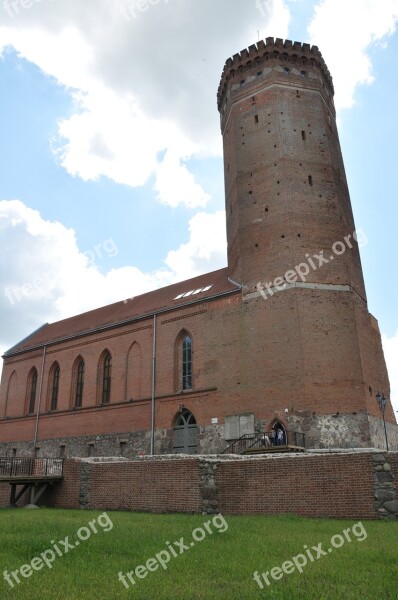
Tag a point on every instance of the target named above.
point(382, 402)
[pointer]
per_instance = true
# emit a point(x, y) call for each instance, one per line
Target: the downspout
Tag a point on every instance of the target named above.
point(153, 387)
point(39, 402)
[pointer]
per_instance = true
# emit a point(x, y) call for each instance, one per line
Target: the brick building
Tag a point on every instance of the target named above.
point(282, 334)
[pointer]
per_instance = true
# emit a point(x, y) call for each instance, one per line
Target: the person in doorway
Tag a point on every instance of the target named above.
point(280, 436)
point(273, 438)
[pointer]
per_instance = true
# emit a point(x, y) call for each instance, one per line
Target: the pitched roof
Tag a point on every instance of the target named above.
point(163, 299)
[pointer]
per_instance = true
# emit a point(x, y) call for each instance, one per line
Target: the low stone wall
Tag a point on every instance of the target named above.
point(351, 484)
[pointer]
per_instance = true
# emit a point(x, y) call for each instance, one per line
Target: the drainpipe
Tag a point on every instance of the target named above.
point(39, 402)
point(153, 388)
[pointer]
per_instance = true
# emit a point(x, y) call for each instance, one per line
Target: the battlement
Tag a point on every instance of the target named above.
point(272, 50)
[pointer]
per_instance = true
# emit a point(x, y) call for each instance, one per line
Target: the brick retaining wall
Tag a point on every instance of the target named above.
point(355, 485)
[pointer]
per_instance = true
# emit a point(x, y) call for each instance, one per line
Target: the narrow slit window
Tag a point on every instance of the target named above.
point(310, 180)
point(303, 135)
point(256, 118)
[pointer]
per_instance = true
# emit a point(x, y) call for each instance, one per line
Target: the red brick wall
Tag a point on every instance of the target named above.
point(65, 494)
point(154, 486)
point(313, 486)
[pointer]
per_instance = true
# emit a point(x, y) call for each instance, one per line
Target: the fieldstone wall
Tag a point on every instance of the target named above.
point(385, 487)
point(378, 435)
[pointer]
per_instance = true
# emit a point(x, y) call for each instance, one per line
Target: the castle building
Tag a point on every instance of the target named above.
point(281, 335)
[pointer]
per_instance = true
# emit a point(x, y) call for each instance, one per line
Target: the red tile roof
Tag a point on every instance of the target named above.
point(134, 308)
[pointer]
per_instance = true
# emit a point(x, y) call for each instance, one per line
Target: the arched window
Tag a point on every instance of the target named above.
point(54, 379)
point(187, 363)
point(79, 383)
point(32, 386)
point(106, 378)
point(134, 373)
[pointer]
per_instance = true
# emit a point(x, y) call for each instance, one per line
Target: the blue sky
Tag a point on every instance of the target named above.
point(111, 174)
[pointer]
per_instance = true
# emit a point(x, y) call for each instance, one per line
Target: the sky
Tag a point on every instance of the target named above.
point(111, 169)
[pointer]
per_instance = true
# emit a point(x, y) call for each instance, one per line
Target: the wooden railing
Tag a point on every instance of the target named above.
point(31, 467)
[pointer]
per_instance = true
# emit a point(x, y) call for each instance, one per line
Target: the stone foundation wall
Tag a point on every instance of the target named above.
point(321, 431)
point(378, 436)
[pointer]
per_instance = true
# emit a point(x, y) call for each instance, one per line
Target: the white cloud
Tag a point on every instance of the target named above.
point(390, 346)
point(188, 192)
point(142, 87)
point(206, 249)
point(49, 278)
point(345, 32)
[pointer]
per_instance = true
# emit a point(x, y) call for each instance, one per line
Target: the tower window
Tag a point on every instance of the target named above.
point(310, 180)
point(256, 118)
point(303, 135)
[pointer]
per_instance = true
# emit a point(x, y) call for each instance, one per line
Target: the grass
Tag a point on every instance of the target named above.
point(221, 566)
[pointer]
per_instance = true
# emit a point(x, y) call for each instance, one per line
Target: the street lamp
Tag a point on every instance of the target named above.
point(382, 402)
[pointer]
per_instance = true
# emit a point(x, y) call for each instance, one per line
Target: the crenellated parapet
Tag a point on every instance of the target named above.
point(268, 53)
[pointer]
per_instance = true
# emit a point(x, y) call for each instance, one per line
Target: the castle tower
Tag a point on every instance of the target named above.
point(293, 247)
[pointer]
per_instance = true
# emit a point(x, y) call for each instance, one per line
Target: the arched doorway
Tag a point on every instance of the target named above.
point(280, 437)
point(185, 434)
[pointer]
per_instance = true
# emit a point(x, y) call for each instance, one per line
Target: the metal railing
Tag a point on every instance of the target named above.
point(257, 441)
point(31, 467)
point(238, 446)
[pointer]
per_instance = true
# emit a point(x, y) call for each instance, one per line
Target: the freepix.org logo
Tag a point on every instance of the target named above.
point(58, 549)
point(311, 264)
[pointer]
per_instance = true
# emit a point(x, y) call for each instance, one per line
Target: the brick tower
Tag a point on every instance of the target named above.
point(311, 353)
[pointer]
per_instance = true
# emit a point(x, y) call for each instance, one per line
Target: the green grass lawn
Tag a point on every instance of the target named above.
point(219, 566)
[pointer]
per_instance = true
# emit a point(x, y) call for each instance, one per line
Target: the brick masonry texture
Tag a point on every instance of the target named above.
point(310, 357)
point(352, 485)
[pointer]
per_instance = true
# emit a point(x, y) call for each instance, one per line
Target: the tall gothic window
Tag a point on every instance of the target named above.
point(187, 363)
point(79, 383)
point(32, 386)
point(106, 378)
point(55, 386)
